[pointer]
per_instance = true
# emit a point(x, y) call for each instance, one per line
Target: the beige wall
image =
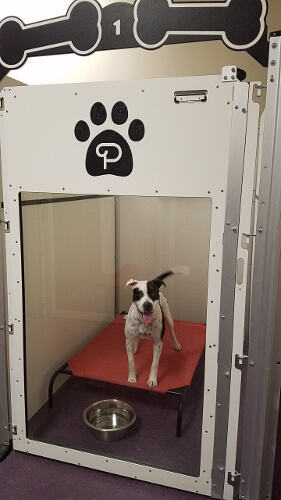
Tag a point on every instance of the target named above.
point(69, 277)
point(155, 234)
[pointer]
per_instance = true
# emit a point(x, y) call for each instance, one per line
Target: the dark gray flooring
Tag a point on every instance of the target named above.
point(152, 441)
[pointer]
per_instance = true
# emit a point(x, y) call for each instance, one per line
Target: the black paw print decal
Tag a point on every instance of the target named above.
point(109, 152)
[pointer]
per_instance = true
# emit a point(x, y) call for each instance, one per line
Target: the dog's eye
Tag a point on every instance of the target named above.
point(153, 292)
point(154, 295)
point(137, 295)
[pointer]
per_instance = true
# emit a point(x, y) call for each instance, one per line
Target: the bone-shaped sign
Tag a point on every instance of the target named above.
point(147, 23)
point(231, 20)
point(80, 29)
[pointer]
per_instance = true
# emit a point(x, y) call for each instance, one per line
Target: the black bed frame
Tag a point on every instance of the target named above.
point(181, 392)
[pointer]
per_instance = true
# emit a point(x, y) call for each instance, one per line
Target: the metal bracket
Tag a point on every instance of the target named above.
point(240, 361)
point(229, 74)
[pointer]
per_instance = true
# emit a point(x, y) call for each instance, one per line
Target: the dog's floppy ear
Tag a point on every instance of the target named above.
point(132, 283)
point(158, 282)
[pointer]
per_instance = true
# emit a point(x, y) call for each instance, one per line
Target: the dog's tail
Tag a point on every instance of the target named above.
point(175, 270)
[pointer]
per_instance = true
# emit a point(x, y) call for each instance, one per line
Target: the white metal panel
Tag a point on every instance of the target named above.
point(181, 154)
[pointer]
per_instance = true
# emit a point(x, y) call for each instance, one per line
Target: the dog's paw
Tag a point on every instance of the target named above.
point(132, 379)
point(152, 382)
point(177, 346)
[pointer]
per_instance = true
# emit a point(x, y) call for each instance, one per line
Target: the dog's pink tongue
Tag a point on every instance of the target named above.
point(147, 318)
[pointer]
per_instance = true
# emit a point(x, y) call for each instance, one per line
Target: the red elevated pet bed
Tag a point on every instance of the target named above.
point(104, 358)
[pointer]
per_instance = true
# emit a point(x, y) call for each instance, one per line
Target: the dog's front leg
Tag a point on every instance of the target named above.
point(132, 377)
point(157, 348)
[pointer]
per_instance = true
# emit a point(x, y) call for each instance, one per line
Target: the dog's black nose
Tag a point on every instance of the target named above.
point(147, 307)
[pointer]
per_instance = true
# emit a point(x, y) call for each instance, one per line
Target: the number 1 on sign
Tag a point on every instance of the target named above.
point(117, 25)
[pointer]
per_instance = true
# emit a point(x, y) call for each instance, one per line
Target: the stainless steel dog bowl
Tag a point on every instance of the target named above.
point(109, 420)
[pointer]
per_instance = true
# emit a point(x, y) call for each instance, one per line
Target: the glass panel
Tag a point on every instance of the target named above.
point(78, 254)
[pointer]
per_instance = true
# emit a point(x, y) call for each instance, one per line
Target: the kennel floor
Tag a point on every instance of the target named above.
point(150, 441)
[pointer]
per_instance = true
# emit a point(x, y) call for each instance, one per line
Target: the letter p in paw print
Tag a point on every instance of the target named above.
point(109, 152)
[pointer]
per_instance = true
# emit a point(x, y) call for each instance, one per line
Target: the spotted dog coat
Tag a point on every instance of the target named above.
point(146, 319)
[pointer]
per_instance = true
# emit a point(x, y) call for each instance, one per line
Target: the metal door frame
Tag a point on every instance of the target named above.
point(5, 444)
point(224, 275)
point(263, 377)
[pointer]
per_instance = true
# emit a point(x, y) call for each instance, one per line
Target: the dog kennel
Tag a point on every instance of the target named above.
point(109, 181)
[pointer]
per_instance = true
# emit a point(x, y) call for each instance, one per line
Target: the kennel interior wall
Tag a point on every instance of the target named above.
point(78, 254)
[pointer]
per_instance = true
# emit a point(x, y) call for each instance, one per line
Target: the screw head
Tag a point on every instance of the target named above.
point(273, 62)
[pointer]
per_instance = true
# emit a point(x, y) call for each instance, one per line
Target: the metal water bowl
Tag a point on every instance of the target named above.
point(109, 420)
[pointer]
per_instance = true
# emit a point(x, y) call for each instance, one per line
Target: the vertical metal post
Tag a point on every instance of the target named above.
point(266, 272)
point(232, 220)
point(4, 408)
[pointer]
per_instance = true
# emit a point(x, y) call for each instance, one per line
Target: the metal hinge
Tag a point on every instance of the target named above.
point(245, 240)
point(239, 361)
point(6, 225)
point(182, 96)
point(233, 478)
point(14, 429)
point(10, 328)
point(229, 74)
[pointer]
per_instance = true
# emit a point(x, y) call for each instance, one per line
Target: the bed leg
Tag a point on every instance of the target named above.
point(180, 411)
point(52, 381)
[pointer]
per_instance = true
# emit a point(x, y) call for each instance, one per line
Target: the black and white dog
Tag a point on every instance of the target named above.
point(146, 319)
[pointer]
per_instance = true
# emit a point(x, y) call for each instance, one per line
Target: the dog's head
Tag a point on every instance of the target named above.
point(146, 296)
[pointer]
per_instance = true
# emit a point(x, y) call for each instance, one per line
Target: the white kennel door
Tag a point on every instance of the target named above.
point(177, 137)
